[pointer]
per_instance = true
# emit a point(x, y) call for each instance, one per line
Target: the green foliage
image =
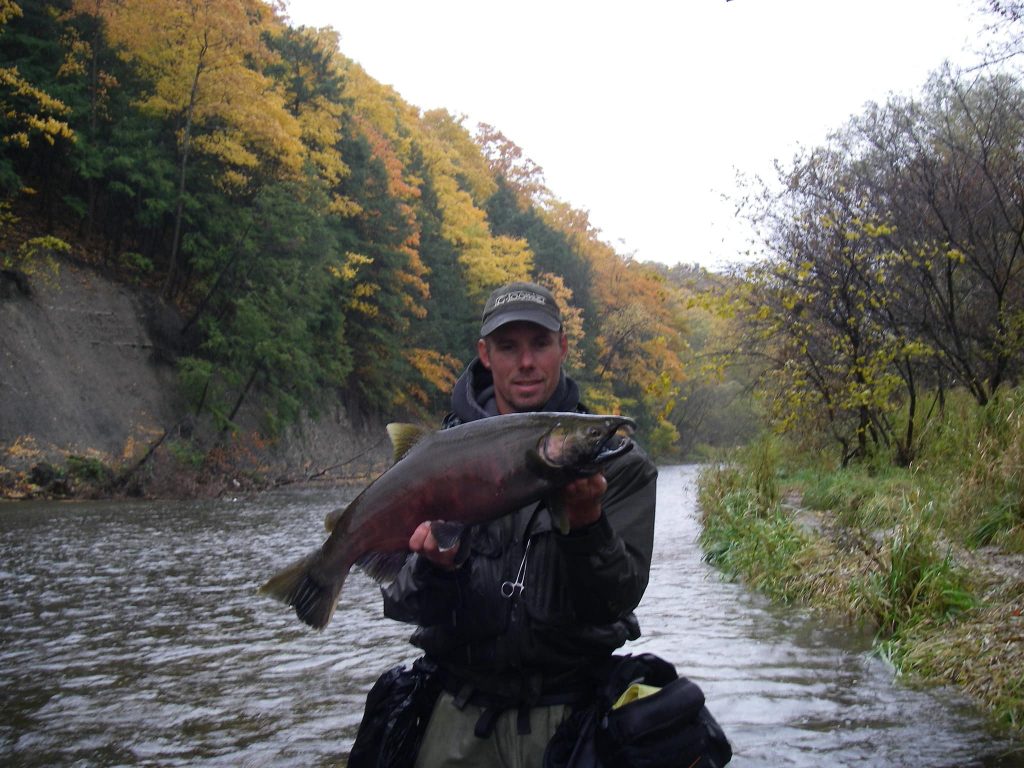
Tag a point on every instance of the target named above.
point(320, 236)
point(187, 453)
point(136, 262)
point(271, 309)
point(34, 126)
point(988, 501)
point(858, 496)
point(750, 539)
point(891, 546)
point(762, 457)
point(195, 375)
point(917, 581)
point(36, 257)
point(89, 470)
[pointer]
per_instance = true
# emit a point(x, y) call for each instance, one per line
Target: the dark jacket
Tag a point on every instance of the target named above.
point(579, 590)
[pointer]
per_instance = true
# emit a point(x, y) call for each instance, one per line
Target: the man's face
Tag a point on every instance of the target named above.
point(525, 360)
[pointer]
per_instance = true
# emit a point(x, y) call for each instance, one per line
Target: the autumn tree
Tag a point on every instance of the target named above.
point(949, 171)
point(204, 61)
point(379, 143)
point(310, 71)
point(319, 236)
point(32, 121)
point(894, 267)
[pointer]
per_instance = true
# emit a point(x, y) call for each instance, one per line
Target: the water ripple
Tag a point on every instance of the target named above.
point(131, 634)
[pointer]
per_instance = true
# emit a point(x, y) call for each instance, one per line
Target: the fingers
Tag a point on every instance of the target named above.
point(582, 499)
point(418, 540)
point(585, 489)
point(423, 542)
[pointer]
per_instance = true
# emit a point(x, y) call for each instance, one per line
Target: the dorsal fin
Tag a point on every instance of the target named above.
point(404, 437)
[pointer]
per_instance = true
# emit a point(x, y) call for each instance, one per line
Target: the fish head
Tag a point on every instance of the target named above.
point(581, 442)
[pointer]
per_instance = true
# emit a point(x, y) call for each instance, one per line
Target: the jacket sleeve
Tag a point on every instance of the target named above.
point(422, 594)
point(608, 563)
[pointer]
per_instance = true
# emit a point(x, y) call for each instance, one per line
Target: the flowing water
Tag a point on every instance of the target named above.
point(131, 634)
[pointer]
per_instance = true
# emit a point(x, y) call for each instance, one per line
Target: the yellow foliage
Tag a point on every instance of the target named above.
point(24, 447)
point(572, 316)
point(461, 153)
point(34, 257)
point(42, 122)
point(350, 268)
point(439, 371)
point(9, 10)
point(205, 61)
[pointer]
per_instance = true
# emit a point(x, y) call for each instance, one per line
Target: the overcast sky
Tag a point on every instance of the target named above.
point(643, 113)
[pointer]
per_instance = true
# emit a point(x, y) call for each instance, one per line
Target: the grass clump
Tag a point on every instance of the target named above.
point(914, 581)
point(749, 534)
point(980, 455)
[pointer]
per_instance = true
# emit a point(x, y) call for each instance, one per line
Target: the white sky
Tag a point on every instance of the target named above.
point(642, 113)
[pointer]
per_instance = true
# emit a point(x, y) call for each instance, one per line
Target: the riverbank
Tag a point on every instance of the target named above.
point(882, 550)
point(90, 405)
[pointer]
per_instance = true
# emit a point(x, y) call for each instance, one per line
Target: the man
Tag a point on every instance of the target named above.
point(517, 615)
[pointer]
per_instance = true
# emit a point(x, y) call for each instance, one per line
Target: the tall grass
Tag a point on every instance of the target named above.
point(748, 534)
point(989, 494)
point(916, 581)
point(889, 545)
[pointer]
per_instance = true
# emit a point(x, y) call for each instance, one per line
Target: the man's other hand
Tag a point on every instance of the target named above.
point(582, 500)
point(424, 544)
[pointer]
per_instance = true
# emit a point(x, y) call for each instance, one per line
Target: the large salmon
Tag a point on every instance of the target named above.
point(467, 474)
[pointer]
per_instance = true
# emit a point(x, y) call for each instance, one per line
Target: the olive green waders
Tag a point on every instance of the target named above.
point(450, 741)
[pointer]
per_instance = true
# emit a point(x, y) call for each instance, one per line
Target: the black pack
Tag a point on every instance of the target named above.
point(398, 708)
point(671, 728)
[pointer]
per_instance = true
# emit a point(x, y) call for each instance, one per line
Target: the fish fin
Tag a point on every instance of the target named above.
point(559, 516)
point(382, 566)
point(404, 437)
point(297, 585)
point(447, 534)
point(333, 517)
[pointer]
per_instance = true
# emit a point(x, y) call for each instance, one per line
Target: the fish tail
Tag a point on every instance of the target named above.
point(298, 586)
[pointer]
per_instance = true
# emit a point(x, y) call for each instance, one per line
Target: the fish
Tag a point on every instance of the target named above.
point(463, 475)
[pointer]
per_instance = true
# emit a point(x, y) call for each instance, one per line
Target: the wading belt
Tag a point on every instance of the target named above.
point(532, 694)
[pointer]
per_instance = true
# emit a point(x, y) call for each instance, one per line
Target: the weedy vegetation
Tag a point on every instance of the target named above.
point(929, 556)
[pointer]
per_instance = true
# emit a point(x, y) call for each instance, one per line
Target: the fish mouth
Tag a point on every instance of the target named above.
point(582, 448)
point(617, 442)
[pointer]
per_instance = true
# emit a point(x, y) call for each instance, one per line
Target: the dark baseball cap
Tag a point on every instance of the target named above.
point(527, 302)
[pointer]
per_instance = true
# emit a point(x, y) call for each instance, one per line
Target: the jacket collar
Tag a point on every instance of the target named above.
point(473, 395)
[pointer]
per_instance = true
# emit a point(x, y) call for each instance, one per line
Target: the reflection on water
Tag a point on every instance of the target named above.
point(131, 634)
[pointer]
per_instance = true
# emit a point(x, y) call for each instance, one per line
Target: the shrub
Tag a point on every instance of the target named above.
point(88, 470)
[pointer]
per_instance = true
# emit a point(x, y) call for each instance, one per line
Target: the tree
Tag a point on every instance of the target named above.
point(311, 73)
point(199, 56)
point(272, 318)
point(819, 312)
point(31, 120)
point(950, 171)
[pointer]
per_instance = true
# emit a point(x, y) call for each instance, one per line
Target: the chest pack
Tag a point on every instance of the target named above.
point(644, 716)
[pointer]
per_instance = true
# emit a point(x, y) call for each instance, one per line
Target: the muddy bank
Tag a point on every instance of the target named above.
point(88, 405)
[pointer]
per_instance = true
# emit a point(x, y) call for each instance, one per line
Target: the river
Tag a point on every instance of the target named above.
point(131, 635)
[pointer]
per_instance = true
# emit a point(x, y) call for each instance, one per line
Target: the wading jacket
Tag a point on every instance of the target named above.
point(529, 609)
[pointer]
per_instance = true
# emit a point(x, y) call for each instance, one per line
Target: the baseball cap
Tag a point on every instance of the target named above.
point(520, 301)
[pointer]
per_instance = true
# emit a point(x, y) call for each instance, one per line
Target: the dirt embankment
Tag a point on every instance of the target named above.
point(87, 382)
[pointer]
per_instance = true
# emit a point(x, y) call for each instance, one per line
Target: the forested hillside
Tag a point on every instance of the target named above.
point(319, 238)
